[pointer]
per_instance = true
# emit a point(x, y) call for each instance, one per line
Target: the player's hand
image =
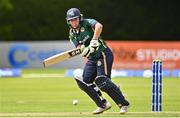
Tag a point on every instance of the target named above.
point(86, 51)
point(94, 44)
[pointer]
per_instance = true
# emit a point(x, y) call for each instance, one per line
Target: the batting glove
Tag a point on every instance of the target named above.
point(86, 51)
point(94, 44)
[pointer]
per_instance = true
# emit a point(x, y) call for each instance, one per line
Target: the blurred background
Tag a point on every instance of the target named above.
point(138, 31)
point(123, 20)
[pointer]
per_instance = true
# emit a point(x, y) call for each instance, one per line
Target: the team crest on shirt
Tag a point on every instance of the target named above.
point(99, 63)
point(82, 29)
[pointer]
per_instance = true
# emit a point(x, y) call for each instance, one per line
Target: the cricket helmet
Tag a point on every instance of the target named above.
point(73, 13)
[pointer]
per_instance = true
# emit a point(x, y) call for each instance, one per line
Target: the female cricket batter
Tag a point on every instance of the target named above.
point(85, 34)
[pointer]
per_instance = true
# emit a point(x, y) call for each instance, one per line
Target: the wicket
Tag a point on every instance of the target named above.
point(157, 86)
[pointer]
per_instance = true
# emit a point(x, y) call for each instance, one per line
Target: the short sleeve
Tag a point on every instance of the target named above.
point(92, 22)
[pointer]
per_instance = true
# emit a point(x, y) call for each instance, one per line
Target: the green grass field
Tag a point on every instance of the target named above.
point(36, 94)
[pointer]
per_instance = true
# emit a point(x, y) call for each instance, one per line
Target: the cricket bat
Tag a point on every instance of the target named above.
point(61, 57)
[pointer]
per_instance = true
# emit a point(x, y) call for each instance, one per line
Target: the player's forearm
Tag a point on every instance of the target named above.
point(97, 31)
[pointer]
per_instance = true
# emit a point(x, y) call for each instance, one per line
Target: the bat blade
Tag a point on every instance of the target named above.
point(61, 57)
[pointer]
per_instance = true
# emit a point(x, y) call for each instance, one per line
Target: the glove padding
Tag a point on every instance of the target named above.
point(94, 44)
point(86, 51)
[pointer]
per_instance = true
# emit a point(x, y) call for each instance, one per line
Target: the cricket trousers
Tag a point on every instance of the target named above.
point(99, 71)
